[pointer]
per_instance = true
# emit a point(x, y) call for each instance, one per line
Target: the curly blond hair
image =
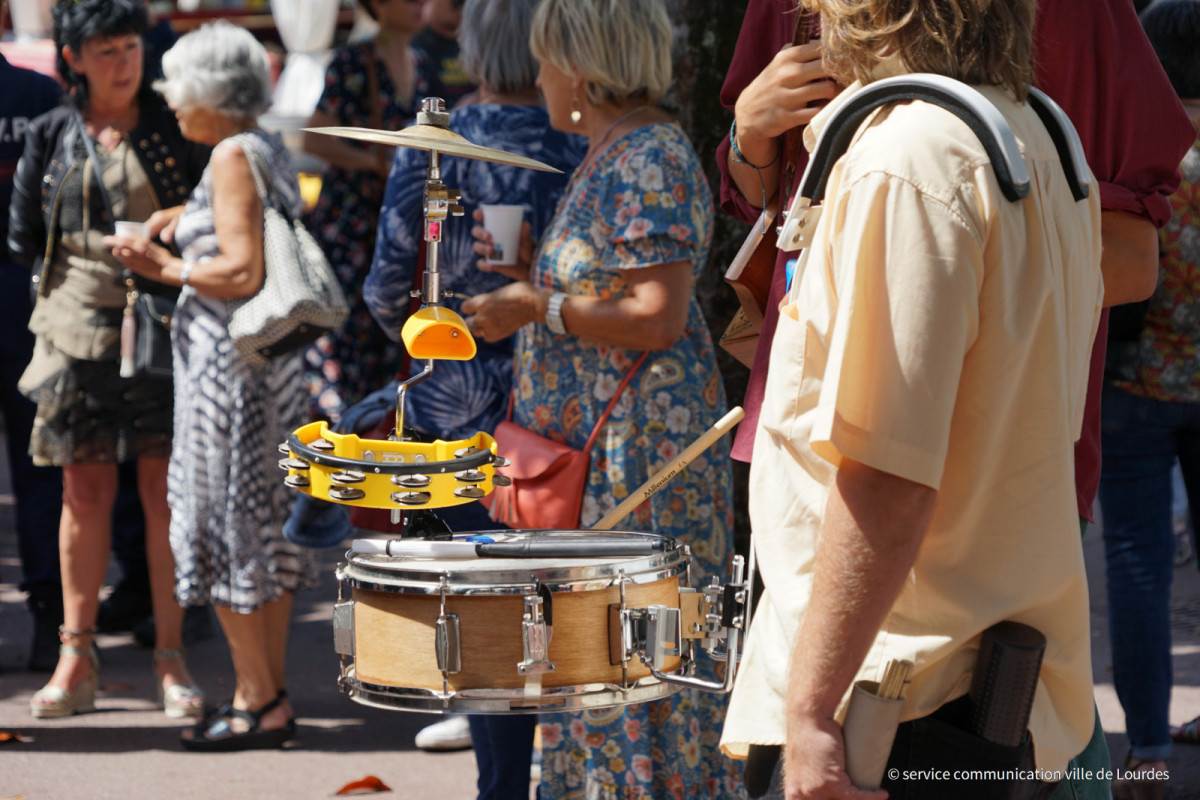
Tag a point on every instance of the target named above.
point(974, 41)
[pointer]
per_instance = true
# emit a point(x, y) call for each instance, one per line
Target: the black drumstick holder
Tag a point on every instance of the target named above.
point(1005, 680)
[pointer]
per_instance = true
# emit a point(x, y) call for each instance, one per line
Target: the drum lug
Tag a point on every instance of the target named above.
point(662, 634)
point(536, 636)
point(449, 654)
point(343, 628)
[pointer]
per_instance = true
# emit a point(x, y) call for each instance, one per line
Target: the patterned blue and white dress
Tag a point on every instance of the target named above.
point(465, 397)
point(227, 500)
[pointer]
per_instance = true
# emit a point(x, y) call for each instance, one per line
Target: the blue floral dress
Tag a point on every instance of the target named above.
point(644, 202)
point(350, 363)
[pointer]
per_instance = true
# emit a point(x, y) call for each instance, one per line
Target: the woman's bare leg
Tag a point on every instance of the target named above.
point(84, 540)
point(168, 614)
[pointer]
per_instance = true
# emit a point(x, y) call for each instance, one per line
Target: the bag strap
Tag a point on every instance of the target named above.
point(259, 169)
point(807, 27)
point(587, 448)
point(373, 96)
point(90, 146)
point(612, 404)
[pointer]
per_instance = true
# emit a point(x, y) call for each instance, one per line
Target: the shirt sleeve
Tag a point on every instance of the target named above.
point(907, 275)
point(1094, 60)
point(397, 243)
point(660, 210)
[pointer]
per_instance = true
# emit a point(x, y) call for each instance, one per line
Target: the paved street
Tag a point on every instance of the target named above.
point(128, 749)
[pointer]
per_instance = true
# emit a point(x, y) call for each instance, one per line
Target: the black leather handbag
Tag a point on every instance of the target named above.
point(152, 354)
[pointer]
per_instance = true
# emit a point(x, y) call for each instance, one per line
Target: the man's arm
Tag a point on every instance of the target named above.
point(1129, 262)
point(873, 527)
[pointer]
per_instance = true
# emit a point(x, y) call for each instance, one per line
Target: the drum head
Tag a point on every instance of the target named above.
point(581, 562)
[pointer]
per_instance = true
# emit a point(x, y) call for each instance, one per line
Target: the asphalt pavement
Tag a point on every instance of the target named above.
point(129, 749)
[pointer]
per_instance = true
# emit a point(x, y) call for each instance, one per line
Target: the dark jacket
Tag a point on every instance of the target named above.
point(173, 164)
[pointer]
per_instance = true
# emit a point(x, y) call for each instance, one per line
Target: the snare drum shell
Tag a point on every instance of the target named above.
point(395, 637)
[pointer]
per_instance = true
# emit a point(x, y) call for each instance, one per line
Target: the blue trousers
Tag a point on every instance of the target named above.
point(1141, 440)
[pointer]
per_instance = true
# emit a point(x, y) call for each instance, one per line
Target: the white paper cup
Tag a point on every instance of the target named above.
point(132, 230)
point(504, 224)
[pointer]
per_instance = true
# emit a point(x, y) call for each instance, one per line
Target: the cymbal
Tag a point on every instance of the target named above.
point(431, 137)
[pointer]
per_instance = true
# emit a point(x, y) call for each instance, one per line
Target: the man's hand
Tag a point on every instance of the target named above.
point(781, 98)
point(814, 765)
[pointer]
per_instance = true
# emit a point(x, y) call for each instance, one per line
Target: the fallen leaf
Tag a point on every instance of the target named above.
point(11, 736)
point(368, 785)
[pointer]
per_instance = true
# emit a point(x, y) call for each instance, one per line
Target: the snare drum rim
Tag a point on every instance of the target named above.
point(379, 573)
point(501, 701)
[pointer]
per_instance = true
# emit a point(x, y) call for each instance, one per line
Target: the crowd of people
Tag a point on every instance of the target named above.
point(923, 413)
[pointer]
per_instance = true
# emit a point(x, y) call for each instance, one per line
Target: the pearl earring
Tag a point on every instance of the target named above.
point(576, 114)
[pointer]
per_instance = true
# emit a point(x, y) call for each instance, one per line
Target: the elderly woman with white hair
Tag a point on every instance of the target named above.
point(227, 507)
point(612, 282)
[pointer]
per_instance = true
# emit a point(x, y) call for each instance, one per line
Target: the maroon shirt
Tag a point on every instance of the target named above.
point(1093, 59)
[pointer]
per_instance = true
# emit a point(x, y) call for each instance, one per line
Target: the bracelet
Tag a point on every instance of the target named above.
point(741, 159)
point(554, 320)
point(737, 153)
point(185, 272)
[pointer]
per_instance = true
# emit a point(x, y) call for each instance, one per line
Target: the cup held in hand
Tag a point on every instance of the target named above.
point(504, 224)
point(132, 230)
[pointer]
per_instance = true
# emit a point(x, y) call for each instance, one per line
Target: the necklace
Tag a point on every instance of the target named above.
point(595, 149)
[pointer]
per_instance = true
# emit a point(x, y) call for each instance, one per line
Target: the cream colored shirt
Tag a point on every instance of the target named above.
point(940, 333)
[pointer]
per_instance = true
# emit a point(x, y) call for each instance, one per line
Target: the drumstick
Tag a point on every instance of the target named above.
point(659, 479)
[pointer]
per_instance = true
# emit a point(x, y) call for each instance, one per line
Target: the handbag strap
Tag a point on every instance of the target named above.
point(807, 27)
point(373, 96)
point(94, 157)
point(259, 169)
point(587, 448)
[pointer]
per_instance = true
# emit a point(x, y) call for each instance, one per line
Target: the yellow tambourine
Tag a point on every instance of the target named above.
point(379, 473)
point(439, 333)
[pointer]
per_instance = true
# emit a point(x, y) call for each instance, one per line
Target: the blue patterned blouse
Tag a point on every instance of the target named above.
point(463, 397)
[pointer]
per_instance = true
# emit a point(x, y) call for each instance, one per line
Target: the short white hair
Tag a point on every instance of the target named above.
point(620, 48)
point(494, 44)
point(220, 67)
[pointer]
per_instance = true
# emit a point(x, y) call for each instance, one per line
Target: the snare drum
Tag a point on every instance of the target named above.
point(499, 635)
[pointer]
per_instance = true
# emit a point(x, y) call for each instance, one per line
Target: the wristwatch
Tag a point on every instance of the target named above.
point(554, 320)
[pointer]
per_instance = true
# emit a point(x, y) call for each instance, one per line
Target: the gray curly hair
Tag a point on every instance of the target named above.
point(218, 66)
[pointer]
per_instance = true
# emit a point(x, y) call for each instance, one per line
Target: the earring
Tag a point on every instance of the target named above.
point(576, 114)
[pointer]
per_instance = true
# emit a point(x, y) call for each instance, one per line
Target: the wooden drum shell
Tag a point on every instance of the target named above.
point(395, 638)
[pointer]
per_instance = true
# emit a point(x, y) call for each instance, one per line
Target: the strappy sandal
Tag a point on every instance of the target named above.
point(51, 702)
point(181, 700)
point(291, 723)
point(1187, 733)
point(216, 735)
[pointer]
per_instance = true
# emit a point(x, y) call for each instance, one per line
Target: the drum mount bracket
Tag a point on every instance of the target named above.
point(715, 614)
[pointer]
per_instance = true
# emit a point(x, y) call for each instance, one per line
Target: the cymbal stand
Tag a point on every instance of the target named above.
point(439, 203)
